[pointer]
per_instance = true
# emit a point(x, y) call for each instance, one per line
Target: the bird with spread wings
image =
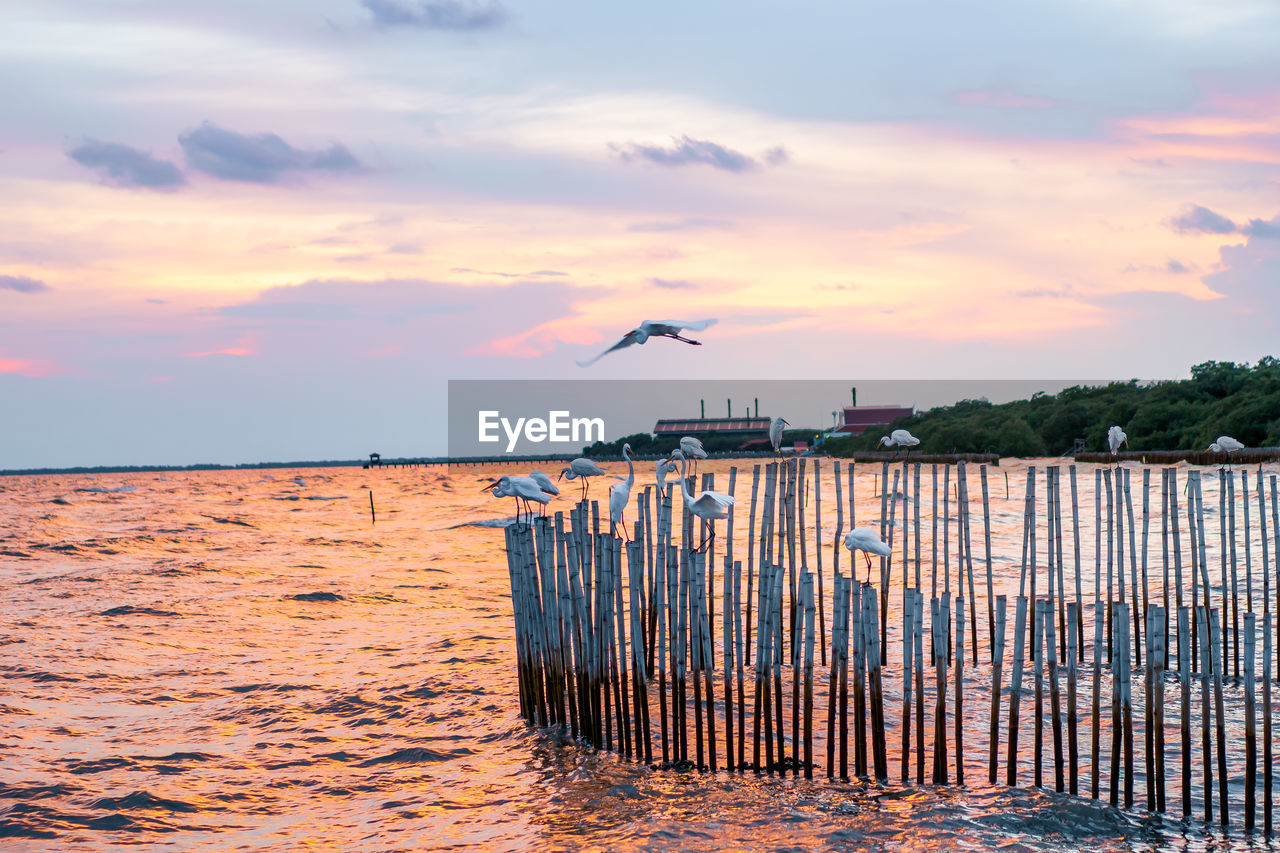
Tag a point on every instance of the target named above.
point(654, 329)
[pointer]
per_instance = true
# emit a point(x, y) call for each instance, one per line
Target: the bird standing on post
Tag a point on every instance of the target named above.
point(899, 438)
point(692, 448)
point(708, 506)
point(620, 493)
point(775, 433)
point(864, 539)
point(654, 329)
point(521, 488)
point(544, 482)
point(582, 469)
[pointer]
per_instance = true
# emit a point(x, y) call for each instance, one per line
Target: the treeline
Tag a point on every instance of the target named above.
point(1220, 398)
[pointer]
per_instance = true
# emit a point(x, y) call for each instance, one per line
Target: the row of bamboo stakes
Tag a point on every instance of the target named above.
point(594, 642)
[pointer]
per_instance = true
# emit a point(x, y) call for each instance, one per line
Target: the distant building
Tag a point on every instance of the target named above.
point(858, 419)
point(745, 427)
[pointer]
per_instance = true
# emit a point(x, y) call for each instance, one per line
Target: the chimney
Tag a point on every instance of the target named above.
point(703, 404)
point(757, 407)
point(854, 391)
point(728, 408)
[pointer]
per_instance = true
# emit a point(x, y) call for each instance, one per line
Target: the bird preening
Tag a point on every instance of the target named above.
point(654, 329)
point(1115, 438)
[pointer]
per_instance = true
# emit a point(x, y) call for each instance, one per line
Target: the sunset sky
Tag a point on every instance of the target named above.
point(252, 231)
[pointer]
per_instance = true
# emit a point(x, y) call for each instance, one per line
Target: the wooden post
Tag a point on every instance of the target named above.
point(997, 664)
point(1015, 694)
point(1184, 681)
point(1073, 631)
point(908, 633)
point(959, 715)
point(1250, 723)
point(939, 632)
point(986, 536)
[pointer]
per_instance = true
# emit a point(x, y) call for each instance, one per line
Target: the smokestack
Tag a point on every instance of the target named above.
point(703, 405)
point(728, 408)
point(757, 407)
point(854, 391)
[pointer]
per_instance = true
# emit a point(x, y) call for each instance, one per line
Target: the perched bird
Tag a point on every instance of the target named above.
point(864, 539)
point(521, 488)
point(775, 433)
point(1115, 438)
point(654, 329)
point(1226, 444)
point(544, 482)
point(665, 467)
point(582, 469)
point(707, 506)
point(692, 448)
point(620, 493)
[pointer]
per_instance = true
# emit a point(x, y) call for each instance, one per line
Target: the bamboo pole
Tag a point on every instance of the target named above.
point(997, 663)
point(1250, 722)
point(1073, 632)
point(986, 536)
point(908, 632)
point(1015, 694)
point(959, 715)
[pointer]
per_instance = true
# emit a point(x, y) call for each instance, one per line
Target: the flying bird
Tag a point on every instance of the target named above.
point(620, 493)
point(864, 539)
point(708, 506)
point(582, 469)
point(654, 329)
point(775, 433)
point(1115, 438)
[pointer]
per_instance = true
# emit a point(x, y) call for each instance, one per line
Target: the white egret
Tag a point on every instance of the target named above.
point(775, 433)
point(582, 469)
point(654, 329)
point(544, 482)
point(1115, 438)
point(1226, 444)
point(864, 539)
point(521, 488)
point(693, 448)
point(899, 438)
point(665, 467)
point(707, 506)
point(620, 493)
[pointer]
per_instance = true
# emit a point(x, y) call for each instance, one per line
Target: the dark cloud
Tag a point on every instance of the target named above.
point(686, 150)
point(261, 158)
point(123, 166)
point(687, 224)
point(1175, 266)
point(673, 284)
point(436, 14)
point(1202, 220)
point(22, 284)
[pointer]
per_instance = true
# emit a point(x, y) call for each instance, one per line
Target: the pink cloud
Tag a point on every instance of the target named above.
point(244, 346)
point(33, 368)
